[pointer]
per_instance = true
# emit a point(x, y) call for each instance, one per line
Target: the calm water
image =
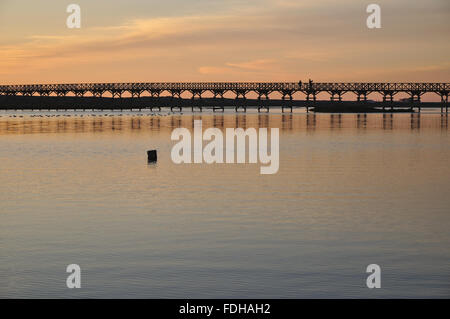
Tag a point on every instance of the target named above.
point(351, 190)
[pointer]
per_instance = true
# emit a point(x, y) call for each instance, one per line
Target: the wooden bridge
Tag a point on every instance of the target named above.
point(263, 90)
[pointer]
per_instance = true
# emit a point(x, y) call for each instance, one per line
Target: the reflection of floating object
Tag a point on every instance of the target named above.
point(151, 156)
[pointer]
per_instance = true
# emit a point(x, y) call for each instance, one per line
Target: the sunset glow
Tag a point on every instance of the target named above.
point(269, 40)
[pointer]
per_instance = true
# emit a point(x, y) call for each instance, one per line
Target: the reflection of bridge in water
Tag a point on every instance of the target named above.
point(150, 94)
point(165, 124)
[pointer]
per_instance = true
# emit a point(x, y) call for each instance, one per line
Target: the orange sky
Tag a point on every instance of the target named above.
point(213, 40)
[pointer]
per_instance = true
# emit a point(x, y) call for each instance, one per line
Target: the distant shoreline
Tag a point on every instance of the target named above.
point(107, 103)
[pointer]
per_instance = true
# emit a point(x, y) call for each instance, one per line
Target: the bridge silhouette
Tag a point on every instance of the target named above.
point(263, 90)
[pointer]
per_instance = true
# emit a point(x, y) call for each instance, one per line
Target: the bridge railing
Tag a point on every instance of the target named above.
point(231, 86)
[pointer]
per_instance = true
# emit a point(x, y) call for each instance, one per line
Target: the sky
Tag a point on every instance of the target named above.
point(224, 40)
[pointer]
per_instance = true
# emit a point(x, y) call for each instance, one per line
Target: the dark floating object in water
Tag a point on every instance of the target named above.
point(151, 156)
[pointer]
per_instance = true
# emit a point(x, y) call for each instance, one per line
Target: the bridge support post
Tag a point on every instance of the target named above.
point(388, 96)
point(283, 103)
point(194, 102)
point(222, 101)
point(308, 99)
point(339, 96)
point(446, 104)
point(244, 103)
point(415, 99)
point(263, 103)
point(360, 94)
point(313, 95)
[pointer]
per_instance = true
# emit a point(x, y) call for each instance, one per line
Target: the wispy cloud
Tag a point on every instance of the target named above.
point(255, 65)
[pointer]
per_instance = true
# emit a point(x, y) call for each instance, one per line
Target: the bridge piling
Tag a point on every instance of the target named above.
point(283, 107)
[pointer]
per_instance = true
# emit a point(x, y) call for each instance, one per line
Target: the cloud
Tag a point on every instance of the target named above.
point(255, 65)
point(235, 68)
point(141, 34)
